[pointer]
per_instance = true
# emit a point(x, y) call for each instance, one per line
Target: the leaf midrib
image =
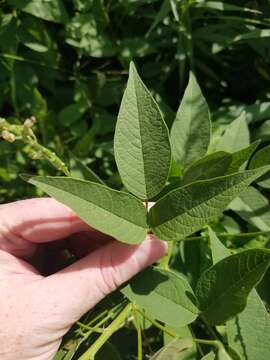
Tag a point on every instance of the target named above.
point(217, 298)
point(205, 200)
point(104, 209)
point(140, 130)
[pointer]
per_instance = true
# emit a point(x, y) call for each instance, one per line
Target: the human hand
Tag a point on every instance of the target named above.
point(36, 310)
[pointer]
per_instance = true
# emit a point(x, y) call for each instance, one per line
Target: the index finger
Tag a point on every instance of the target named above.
point(39, 220)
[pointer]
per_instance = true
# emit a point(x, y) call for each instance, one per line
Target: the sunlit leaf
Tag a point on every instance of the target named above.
point(186, 209)
point(141, 142)
point(191, 130)
point(164, 295)
point(112, 212)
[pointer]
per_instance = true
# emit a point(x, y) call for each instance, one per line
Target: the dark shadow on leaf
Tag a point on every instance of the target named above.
point(147, 281)
point(191, 297)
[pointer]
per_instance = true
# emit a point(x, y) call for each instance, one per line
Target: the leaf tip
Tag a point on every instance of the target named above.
point(26, 177)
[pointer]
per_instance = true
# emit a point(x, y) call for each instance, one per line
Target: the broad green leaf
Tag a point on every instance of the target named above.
point(222, 290)
point(185, 210)
point(262, 132)
point(191, 130)
point(252, 324)
point(141, 142)
point(172, 350)
point(253, 207)
point(51, 10)
point(164, 295)
point(182, 333)
point(219, 251)
point(112, 212)
point(239, 158)
point(190, 258)
point(261, 158)
point(210, 356)
point(208, 167)
point(249, 332)
point(236, 135)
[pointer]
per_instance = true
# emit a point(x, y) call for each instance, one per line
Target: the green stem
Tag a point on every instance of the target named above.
point(155, 323)
point(112, 328)
point(217, 344)
point(139, 334)
point(24, 133)
point(93, 329)
point(225, 235)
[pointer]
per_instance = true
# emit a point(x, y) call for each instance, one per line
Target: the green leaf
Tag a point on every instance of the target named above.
point(261, 158)
point(219, 251)
point(249, 332)
point(182, 332)
point(163, 12)
point(51, 10)
point(71, 114)
point(222, 290)
point(208, 167)
point(171, 351)
point(141, 142)
point(164, 295)
point(252, 324)
point(185, 210)
point(220, 5)
point(81, 171)
point(239, 158)
point(191, 130)
point(253, 207)
point(112, 212)
point(85, 33)
point(236, 135)
point(210, 356)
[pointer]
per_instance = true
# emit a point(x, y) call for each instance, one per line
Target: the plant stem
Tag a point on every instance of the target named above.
point(225, 235)
point(86, 327)
point(155, 323)
point(139, 334)
point(217, 344)
point(24, 133)
point(112, 328)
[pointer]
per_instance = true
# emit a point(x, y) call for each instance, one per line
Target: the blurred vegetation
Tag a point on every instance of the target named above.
point(66, 62)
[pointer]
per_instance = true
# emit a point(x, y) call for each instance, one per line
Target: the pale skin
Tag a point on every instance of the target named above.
point(37, 310)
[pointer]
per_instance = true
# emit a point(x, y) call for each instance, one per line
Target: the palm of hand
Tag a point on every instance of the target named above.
point(37, 310)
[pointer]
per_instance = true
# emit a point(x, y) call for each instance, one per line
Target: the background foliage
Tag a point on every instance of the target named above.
point(66, 63)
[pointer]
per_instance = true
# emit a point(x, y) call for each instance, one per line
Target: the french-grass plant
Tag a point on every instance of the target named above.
point(192, 180)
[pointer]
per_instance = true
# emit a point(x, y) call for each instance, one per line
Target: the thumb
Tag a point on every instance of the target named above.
point(77, 288)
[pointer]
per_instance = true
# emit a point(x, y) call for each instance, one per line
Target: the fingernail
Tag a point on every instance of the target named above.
point(150, 250)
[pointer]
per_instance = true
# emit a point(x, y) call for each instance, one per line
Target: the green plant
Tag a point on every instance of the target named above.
point(193, 178)
point(66, 63)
